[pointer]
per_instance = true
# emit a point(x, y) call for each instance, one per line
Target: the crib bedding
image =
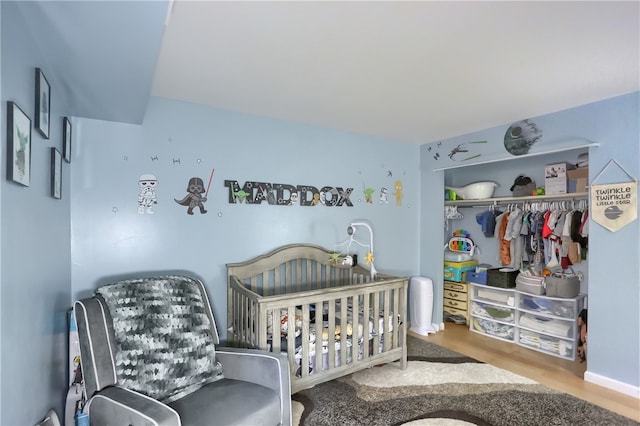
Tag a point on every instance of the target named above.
point(294, 294)
point(325, 341)
point(284, 322)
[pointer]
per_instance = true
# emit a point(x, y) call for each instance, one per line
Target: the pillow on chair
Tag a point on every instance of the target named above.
point(164, 342)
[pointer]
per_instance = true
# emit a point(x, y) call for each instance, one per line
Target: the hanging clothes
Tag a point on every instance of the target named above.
point(504, 252)
point(512, 234)
point(541, 236)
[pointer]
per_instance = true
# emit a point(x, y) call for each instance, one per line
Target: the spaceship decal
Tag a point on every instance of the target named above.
point(521, 136)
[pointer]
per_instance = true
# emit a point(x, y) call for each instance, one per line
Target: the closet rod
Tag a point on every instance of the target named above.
point(574, 196)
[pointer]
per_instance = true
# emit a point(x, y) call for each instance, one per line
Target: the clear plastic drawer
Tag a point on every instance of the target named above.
point(563, 308)
point(493, 312)
point(560, 347)
point(547, 325)
point(492, 328)
point(496, 295)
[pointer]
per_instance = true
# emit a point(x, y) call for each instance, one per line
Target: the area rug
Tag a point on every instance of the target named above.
point(442, 387)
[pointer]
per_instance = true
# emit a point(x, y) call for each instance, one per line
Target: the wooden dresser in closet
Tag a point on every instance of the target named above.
point(456, 298)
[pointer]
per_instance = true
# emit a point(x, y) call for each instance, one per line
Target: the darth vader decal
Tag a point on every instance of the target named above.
point(195, 197)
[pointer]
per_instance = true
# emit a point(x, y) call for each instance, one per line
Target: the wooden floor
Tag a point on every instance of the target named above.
point(556, 373)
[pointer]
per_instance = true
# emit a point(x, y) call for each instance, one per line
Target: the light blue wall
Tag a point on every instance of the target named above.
point(613, 265)
point(2, 127)
point(178, 141)
point(35, 267)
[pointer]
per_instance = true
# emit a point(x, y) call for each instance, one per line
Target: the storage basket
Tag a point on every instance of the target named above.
point(478, 277)
point(502, 277)
point(563, 284)
point(531, 284)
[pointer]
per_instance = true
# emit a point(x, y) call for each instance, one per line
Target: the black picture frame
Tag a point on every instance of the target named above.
point(43, 104)
point(66, 137)
point(56, 173)
point(18, 145)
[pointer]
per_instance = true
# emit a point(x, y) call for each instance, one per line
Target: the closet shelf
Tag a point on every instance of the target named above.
point(573, 196)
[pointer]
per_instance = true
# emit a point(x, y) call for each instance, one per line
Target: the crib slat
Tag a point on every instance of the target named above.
point(242, 326)
point(309, 283)
point(366, 318)
point(387, 333)
point(304, 362)
point(343, 335)
point(376, 322)
point(355, 344)
point(298, 267)
point(318, 333)
point(331, 316)
point(318, 278)
point(291, 345)
point(287, 278)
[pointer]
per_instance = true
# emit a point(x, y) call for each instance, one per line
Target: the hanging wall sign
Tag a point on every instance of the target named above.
point(614, 205)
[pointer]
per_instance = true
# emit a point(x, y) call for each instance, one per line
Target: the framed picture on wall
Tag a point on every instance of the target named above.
point(43, 104)
point(56, 173)
point(66, 137)
point(18, 145)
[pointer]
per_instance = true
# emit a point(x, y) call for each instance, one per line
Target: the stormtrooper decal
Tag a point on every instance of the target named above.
point(147, 193)
point(384, 195)
point(195, 197)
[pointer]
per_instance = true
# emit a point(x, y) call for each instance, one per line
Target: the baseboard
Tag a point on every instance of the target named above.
point(625, 388)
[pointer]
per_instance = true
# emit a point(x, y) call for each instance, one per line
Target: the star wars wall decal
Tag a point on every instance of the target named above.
point(398, 193)
point(282, 194)
point(368, 194)
point(194, 197)
point(147, 198)
point(384, 195)
point(253, 192)
point(521, 136)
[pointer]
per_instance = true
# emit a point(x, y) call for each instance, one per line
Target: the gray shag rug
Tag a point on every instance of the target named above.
point(442, 387)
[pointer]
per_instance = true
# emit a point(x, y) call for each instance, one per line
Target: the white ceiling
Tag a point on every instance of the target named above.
point(414, 71)
point(408, 71)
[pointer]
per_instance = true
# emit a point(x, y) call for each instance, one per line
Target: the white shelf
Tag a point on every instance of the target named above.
point(510, 200)
point(518, 157)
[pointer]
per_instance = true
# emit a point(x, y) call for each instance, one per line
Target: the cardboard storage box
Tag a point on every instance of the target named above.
point(555, 178)
point(457, 271)
point(577, 179)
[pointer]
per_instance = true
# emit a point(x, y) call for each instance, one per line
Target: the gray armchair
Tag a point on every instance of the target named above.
point(149, 358)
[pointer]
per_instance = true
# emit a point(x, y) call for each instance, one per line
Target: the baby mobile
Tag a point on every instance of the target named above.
point(348, 259)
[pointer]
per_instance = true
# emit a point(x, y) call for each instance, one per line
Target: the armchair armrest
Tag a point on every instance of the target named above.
point(261, 367)
point(119, 406)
